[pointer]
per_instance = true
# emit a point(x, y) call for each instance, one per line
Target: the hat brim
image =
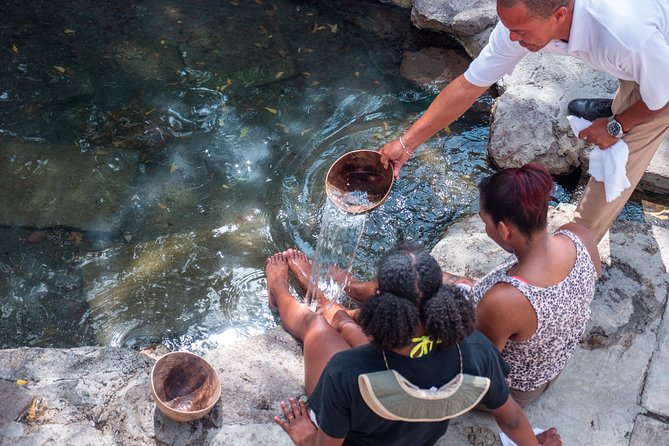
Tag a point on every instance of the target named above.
point(393, 397)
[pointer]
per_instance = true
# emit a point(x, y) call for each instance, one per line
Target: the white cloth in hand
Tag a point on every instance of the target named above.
point(606, 165)
point(506, 441)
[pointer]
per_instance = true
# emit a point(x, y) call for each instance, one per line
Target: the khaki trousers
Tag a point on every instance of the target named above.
point(643, 140)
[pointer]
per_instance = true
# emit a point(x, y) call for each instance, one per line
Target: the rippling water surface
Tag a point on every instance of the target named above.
point(213, 123)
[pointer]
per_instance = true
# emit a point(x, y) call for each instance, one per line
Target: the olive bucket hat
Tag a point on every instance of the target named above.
point(393, 397)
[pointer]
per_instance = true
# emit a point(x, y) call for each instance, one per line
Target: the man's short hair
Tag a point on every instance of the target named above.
point(539, 8)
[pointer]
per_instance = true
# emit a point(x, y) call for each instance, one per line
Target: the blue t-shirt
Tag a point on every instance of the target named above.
point(342, 413)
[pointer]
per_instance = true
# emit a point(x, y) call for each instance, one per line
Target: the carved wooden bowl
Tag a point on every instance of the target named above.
point(184, 386)
point(357, 182)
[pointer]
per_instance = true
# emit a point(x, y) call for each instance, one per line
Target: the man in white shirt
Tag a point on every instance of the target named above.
point(628, 39)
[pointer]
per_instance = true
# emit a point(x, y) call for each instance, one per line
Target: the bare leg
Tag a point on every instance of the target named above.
point(320, 340)
point(300, 266)
point(347, 326)
point(355, 289)
point(342, 319)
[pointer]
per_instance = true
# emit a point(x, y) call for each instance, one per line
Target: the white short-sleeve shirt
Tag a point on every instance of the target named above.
point(628, 39)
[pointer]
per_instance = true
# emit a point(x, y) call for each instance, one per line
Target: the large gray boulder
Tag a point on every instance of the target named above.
point(529, 120)
point(465, 17)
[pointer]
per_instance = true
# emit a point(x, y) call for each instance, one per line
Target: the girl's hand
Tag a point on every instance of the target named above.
point(298, 424)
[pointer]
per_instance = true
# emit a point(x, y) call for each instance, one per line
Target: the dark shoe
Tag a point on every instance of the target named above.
point(591, 109)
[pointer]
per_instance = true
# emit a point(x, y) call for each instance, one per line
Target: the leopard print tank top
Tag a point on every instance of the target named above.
point(562, 310)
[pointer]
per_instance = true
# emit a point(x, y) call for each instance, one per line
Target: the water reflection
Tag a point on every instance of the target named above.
point(171, 156)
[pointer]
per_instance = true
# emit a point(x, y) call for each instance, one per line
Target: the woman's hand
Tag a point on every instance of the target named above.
point(299, 426)
point(395, 154)
point(549, 438)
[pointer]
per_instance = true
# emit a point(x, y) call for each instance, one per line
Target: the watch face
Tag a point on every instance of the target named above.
point(614, 128)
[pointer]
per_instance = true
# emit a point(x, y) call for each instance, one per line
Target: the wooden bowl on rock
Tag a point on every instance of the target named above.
point(185, 386)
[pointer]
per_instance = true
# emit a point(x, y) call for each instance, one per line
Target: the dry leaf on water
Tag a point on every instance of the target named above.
point(75, 236)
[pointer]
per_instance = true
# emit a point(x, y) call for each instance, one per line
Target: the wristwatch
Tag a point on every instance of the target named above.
point(614, 128)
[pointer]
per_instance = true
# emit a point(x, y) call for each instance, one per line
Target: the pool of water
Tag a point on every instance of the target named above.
point(154, 154)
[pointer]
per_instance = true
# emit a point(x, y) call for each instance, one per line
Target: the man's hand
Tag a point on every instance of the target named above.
point(394, 154)
point(597, 134)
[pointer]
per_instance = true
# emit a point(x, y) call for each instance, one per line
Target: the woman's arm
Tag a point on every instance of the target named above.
point(504, 312)
point(586, 237)
point(513, 422)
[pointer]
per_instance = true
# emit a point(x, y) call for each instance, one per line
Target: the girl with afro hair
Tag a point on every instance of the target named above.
point(413, 325)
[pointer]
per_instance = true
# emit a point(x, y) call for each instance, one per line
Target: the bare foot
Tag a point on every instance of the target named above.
point(276, 272)
point(300, 266)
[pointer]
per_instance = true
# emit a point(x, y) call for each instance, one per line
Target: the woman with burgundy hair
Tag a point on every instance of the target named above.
point(534, 307)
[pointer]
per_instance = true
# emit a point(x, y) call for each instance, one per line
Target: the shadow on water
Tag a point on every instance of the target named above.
point(154, 154)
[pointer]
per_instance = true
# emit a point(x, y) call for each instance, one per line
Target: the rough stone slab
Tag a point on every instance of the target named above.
point(655, 397)
point(45, 186)
point(649, 432)
point(86, 395)
point(656, 178)
point(101, 396)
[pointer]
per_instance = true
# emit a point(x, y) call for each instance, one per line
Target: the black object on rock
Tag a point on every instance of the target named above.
point(590, 109)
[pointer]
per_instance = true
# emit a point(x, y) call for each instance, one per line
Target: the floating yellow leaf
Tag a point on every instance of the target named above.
point(69, 32)
point(274, 111)
point(234, 2)
point(163, 206)
point(333, 28)
point(15, 49)
point(163, 42)
point(279, 75)
point(385, 125)
point(21, 382)
point(316, 27)
point(174, 168)
point(306, 74)
point(59, 69)
point(314, 83)
point(244, 131)
point(222, 88)
point(225, 186)
point(357, 74)
point(447, 129)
